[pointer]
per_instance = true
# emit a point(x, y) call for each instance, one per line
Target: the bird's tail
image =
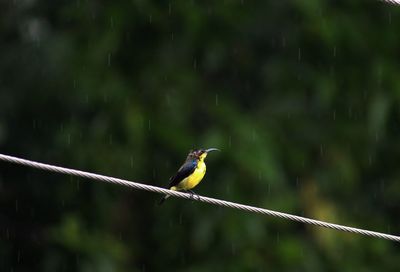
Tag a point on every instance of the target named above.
point(163, 199)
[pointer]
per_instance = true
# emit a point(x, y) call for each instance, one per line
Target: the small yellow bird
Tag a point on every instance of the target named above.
point(191, 172)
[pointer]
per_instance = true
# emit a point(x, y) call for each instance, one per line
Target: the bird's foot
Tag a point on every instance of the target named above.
point(193, 195)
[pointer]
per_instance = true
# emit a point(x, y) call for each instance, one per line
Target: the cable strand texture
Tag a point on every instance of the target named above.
point(395, 2)
point(214, 201)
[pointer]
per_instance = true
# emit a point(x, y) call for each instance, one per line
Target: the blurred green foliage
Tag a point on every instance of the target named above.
point(301, 96)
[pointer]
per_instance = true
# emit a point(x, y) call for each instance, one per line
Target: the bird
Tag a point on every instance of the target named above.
point(190, 173)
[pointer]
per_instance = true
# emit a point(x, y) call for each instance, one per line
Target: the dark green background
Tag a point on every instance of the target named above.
point(302, 97)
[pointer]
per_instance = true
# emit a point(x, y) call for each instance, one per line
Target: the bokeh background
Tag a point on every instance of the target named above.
point(302, 97)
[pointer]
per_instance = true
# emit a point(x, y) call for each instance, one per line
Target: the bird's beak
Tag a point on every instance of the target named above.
point(212, 149)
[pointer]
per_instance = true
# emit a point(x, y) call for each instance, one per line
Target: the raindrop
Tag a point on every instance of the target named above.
point(299, 54)
point(283, 41)
point(370, 159)
point(172, 36)
point(277, 238)
point(150, 18)
point(183, 258)
point(390, 18)
point(194, 63)
point(19, 256)
point(233, 249)
point(74, 84)
point(230, 142)
point(169, 8)
point(216, 100)
point(131, 161)
point(168, 99)
point(112, 22)
point(334, 115)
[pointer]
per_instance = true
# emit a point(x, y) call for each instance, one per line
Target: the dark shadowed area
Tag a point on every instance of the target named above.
point(302, 98)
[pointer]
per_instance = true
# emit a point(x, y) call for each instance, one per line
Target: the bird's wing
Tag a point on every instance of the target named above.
point(186, 170)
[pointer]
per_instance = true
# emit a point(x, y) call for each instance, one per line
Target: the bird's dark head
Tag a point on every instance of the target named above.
point(201, 154)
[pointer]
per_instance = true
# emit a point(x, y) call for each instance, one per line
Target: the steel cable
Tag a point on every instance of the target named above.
point(209, 200)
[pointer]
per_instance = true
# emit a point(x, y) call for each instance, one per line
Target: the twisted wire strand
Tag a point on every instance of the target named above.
point(395, 2)
point(218, 202)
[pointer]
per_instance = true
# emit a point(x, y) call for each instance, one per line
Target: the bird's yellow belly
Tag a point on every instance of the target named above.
point(191, 181)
